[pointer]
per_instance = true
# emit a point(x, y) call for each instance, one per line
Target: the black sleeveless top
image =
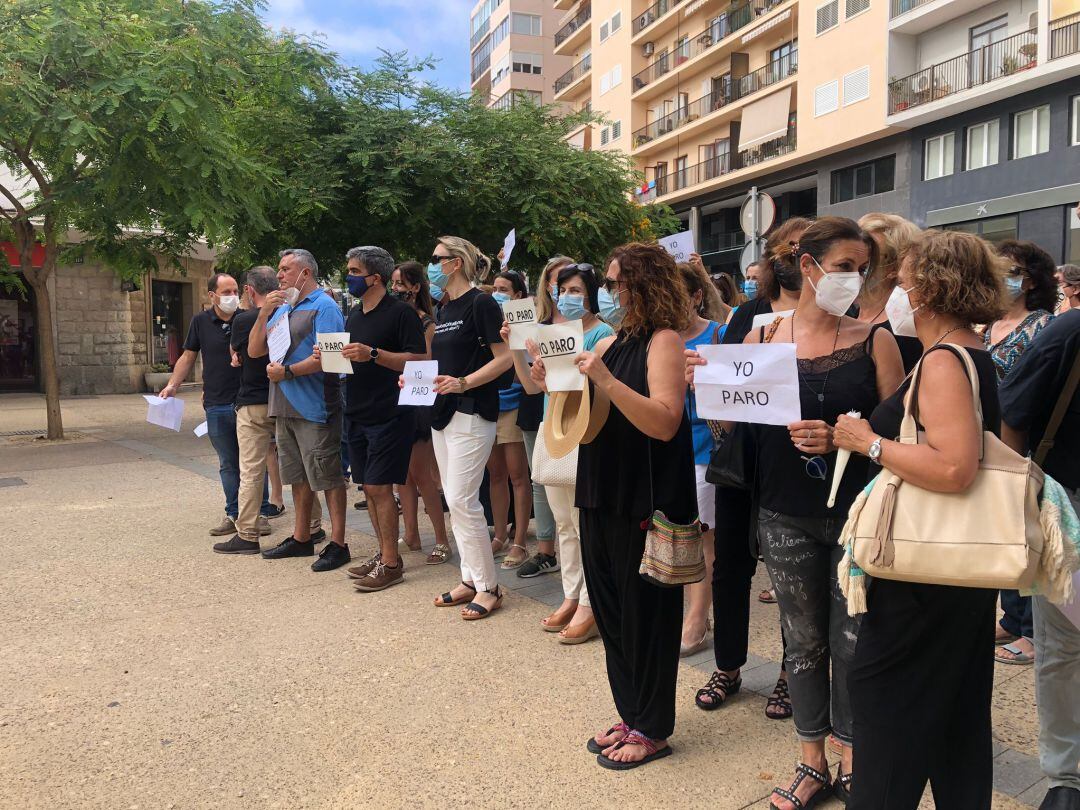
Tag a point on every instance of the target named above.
point(614, 469)
point(742, 321)
point(910, 348)
point(887, 417)
point(783, 483)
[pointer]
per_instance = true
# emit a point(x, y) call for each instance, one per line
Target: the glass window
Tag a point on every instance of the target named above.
point(1075, 121)
point(527, 62)
point(982, 145)
point(938, 157)
point(1074, 236)
point(995, 229)
point(616, 130)
point(876, 177)
point(605, 32)
point(616, 22)
point(1031, 132)
point(525, 24)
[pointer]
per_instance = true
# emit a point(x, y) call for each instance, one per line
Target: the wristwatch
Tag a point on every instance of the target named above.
point(875, 451)
point(373, 352)
point(464, 384)
point(288, 373)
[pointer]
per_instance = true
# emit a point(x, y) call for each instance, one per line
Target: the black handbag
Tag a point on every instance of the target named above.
point(732, 463)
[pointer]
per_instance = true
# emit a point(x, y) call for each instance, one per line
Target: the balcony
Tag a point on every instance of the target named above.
point(770, 150)
point(898, 7)
point(480, 33)
point(1065, 36)
point(973, 69)
point(763, 77)
point(573, 75)
point(725, 25)
point(568, 31)
point(654, 13)
point(481, 69)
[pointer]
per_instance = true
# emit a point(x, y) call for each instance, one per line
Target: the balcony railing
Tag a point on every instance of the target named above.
point(724, 163)
point(977, 67)
point(573, 74)
point(654, 13)
point(1065, 36)
point(568, 30)
point(775, 71)
point(481, 69)
point(682, 51)
point(479, 34)
point(898, 7)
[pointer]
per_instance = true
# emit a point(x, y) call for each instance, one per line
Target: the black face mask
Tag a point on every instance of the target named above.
point(787, 277)
point(403, 295)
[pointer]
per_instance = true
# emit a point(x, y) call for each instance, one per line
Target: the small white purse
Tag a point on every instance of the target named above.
point(553, 472)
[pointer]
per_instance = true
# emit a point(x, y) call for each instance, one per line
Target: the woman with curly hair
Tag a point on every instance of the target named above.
point(641, 460)
point(923, 674)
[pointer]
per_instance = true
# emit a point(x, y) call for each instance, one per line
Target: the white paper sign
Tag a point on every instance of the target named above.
point(330, 346)
point(521, 315)
point(679, 245)
point(559, 344)
point(278, 339)
point(766, 318)
point(756, 383)
point(508, 247)
point(201, 429)
point(419, 382)
point(167, 413)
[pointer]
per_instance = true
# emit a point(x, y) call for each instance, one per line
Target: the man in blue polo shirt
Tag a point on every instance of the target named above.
point(306, 404)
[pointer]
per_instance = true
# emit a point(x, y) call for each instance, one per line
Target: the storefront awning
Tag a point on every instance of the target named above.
point(765, 120)
point(37, 256)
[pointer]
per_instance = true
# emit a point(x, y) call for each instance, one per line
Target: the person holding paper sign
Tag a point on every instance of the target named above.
point(384, 334)
point(641, 460)
point(472, 357)
point(307, 405)
point(844, 365)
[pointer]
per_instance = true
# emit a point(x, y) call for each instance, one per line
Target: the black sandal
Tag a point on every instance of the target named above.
point(802, 772)
point(447, 599)
point(842, 785)
point(719, 688)
point(780, 699)
point(477, 611)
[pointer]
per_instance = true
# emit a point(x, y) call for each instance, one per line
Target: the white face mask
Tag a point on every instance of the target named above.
point(836, 292)
point(900, 313)
point(228, 303)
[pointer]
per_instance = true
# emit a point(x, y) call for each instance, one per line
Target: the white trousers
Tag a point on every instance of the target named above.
point(561, 501)
point(462, 450)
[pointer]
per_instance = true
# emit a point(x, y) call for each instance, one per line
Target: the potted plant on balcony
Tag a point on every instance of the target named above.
point(1030, 51)
point(157, 377)
point(1009, 65)
point(640, 140)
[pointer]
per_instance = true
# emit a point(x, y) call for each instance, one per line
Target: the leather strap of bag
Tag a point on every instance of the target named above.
point(1058, 416)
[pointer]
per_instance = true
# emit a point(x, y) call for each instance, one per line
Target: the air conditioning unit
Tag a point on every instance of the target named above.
point(648, 49)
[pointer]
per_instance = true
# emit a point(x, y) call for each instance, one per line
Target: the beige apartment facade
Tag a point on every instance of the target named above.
point(825, 105)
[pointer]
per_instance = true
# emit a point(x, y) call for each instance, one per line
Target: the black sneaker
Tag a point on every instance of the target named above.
point(333, 556)
point(318, 536)
point(235, 545)
point(539, 564)
point(275, 511)
point(361, 505)
point(289, 547)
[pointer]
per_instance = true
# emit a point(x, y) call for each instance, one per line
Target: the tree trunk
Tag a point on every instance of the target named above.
point(38, 280)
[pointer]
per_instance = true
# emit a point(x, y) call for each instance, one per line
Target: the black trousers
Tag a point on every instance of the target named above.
point(921, 685)
point(732, 577)
point(640, 623)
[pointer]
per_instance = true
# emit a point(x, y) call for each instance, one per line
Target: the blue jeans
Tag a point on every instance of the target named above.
point(1018, 619)
point(221, 428)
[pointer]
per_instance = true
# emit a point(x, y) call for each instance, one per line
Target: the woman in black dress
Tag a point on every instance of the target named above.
point(923, 673)
point(641, 460)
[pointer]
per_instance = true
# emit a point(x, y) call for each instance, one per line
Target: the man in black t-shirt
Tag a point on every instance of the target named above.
point(384, 334)
point(208, 337)
point(254, 427)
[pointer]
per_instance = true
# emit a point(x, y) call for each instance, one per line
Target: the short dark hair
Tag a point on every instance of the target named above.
point(516, 281)
point(1040, 268)
point(212, 282)
point(819, 238)
point(587, 274)
point(416, 273)
point(262, 279)
point(305, 257)
point(375, 260)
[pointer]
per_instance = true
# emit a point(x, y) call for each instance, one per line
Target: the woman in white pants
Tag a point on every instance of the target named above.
point(471, 356)
point(577, 299)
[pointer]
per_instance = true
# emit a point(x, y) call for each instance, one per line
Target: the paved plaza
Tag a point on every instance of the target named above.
point(139, 670)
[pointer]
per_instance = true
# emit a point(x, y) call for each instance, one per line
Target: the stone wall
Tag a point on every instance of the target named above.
point(102, 333)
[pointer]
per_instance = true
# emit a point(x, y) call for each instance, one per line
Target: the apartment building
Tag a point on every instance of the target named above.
point(956, 113)
point(511, 48)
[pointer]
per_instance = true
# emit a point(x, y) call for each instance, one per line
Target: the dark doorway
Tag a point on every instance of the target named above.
point(18, 341)
point(167, 324)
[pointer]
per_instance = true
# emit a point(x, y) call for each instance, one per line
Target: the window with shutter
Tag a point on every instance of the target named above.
point(857, 86)
point(826, 98)
point(603, 31)
point(828, 16)
point(853, 7)
point(605, 136)
point(616, 130)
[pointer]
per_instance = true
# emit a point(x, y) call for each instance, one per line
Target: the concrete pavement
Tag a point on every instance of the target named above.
point(142, 671)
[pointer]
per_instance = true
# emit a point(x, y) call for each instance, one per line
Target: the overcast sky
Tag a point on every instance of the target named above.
point(357, 29)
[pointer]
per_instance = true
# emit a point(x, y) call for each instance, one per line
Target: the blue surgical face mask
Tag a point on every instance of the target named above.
point(501, 297)
point(358, 285)
point(436, 276)
point(436, 291)
point(1015, 285)
point(554, 288)
point(750, 288)
point(571, 307)
point(611, 310)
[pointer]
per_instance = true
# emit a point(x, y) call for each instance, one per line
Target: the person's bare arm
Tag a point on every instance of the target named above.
point(257, 338)
point(498, 365)
point(180, 373)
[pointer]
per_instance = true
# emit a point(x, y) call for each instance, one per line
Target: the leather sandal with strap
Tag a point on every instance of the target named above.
point(802, 772)
point(778, 706)
point(842, 785)
point(448, 600)
point(652, 752)
point(474, 611)
point(595, 747)
point(510, 561)
point(719, 688)
point(438, 555)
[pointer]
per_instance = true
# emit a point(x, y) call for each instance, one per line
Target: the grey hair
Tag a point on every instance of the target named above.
point(305, 257)
point(374, 259)
point(262, 279)
point(1071, 274)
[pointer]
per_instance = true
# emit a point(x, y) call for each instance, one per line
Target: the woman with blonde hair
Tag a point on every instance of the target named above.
point(894, 236)
point(471, 356)
point(641, 460)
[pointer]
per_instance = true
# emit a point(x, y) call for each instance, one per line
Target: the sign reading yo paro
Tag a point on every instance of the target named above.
point(559, 344)
point(757, 383)
point(521, 318)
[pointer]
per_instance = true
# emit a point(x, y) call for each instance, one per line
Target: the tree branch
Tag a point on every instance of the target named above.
point(19, 208)
point(35, 171)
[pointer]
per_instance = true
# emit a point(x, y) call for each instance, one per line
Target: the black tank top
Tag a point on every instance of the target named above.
point(784, 485)
point(613, 469)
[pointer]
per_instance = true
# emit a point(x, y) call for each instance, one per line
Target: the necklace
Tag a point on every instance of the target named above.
point(825, 385)
point(954, 329)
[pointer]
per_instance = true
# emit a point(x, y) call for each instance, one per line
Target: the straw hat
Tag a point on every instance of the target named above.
point(573, 418)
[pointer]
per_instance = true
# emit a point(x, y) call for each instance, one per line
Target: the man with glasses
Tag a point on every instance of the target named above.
point(208, 337)
point(384, 334)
